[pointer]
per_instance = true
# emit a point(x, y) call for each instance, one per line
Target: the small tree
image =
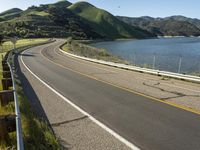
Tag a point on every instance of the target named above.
point(14, 41)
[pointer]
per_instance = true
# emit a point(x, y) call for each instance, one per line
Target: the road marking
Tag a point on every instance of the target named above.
point(92, 64)
point(113, 133)
point(127, 89)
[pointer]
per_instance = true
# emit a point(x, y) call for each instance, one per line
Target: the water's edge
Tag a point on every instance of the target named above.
point(170, 54)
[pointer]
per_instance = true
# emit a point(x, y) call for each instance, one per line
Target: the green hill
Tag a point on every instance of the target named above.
point(105, 23)
point(10, 11)
point(10, 14)
point(62, 19)
point(52, 20)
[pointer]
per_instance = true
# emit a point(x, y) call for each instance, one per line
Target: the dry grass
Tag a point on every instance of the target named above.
point(20, 43)
point(81, 49)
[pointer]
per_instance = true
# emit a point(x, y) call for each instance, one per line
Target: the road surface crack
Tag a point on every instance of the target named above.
point(67, 121)
point(102, 73)
point(179, 94)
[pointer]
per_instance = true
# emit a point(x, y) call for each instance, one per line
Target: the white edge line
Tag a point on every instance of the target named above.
point(113, 133)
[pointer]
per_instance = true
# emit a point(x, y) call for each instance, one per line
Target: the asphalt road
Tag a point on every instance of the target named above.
point(148, 124)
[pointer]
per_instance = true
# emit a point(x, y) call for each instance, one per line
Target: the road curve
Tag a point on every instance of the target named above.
point(150, 125)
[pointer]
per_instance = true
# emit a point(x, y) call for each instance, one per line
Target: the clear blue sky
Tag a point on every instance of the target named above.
point(132, 8)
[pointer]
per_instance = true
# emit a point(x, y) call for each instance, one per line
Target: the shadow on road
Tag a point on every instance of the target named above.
point(27, 55)
point(34, 101)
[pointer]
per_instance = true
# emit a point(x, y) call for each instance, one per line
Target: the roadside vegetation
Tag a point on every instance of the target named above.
point(82, 49)
point(7, 45)
point(36, 133)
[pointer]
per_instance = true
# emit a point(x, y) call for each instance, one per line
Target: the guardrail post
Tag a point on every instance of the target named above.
point(154, 60)
point(6, 97)
point(3, 130)
point(5, 67)
point(7, 125)
point(3, 62)
point(6, 74)
point(10, 123)
point(179, 65)
point(134, 59)
point(6, 83)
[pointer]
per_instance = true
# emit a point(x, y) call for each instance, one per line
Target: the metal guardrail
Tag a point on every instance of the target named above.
point(139, 69)
point(19, 134)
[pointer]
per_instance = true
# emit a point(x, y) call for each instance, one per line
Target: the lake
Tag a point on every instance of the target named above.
point(169, 54)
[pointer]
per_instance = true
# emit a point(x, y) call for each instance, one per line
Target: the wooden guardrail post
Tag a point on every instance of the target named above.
point(7, 125)
point(4, 62)
point(3, 130)
point(6, 97)
point(5, 67)
point(6, 74)
point(10, 123)
point(6, 83)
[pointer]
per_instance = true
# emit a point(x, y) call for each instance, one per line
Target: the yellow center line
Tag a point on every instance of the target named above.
point(126, 89)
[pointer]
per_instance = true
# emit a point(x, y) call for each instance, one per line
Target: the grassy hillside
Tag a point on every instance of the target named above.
point(10, 14)
point(105, 23)
point(63, 19)
point(52, 20)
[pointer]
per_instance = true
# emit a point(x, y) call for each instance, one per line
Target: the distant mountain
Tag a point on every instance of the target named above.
point(194, 21)
point(105, 23)
point(11, 11)
point(62, 19)
point(169, 26)
point(10, 14)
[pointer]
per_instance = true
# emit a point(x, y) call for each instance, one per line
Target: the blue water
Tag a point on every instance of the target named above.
point(167, 53)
